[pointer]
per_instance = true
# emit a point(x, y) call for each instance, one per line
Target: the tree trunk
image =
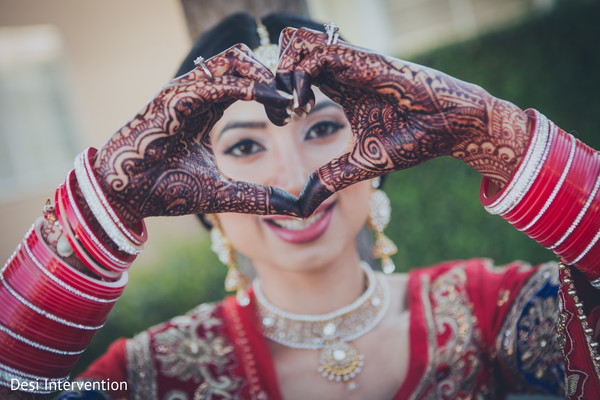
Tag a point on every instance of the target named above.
point(201, 15)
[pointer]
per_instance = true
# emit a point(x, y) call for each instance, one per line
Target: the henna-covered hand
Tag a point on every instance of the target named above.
point(401, 114)
point(161, 162)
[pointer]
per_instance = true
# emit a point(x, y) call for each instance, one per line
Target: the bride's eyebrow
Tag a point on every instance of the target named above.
point(242, 124)
point(324, 104)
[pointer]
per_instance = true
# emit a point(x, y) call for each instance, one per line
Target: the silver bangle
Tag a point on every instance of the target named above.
point(100, 195)
point(528, 170)
point(97, 205)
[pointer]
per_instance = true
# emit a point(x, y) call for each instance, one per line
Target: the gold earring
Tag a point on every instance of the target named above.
point(221, 245)
point(379, 216)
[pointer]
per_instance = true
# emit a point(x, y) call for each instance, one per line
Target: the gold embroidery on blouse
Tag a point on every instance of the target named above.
point(140, 368)
point(190, 349)
point(455, 364)
point(183, 354)
point(429, 326)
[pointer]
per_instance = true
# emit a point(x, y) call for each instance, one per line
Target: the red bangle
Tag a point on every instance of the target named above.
point(30, 283)
point(568, 203)
point(67, 277)
point(32, 358)
point(525, 211)
point(49, 311)
point(560, 208)
point(540, 142)
point(79, 250)
point(111, 259)
point(18, 316)
point(20, 351)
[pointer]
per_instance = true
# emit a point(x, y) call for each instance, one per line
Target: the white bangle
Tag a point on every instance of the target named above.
point(101, 209)
point(528, 170)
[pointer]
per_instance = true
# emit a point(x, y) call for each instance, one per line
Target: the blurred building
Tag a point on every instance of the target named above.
point(72, 72)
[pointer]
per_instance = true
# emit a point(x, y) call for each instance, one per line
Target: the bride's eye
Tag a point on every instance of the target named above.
point(244, 148)
point(323, 129)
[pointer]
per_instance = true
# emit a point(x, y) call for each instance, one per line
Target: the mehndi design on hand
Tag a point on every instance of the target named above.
point(402, 114)
point(161, 162)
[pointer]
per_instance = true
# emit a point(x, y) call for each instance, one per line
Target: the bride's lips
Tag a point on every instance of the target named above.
point(296, 230)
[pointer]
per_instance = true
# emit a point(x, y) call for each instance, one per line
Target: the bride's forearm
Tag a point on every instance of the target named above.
point(56, 290)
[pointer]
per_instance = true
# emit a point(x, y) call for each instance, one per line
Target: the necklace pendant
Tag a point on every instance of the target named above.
point(341, 362)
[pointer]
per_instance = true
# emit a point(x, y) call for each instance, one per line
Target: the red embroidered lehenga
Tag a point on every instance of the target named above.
point(475, 332)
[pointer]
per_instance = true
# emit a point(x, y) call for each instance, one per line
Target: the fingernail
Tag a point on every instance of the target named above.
point(288, 120)
point(296, 102)
point(301, 113)
point(285, 94)
point(289, 111)
point(307, 108)
point(282, 202)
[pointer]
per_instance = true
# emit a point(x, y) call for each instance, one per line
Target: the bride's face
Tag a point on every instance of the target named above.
point(250, 148)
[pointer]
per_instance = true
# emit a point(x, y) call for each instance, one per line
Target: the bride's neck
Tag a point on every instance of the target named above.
point(315, 290)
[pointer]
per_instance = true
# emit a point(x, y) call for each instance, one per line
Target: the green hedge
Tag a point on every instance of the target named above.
point(549, 63)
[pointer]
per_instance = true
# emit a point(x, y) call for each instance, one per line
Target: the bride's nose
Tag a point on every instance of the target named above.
point(291, 168)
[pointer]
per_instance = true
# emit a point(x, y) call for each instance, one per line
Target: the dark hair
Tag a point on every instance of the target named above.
point(241, 28)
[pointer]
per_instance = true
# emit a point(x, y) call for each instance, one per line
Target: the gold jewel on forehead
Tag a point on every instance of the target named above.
point(267, 53)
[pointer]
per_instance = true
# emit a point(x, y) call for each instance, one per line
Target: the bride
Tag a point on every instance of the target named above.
point(289, 178)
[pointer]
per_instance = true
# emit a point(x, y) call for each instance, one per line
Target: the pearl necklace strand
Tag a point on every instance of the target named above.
point(331, 332)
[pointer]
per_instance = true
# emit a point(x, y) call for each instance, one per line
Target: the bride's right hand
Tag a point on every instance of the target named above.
point(161, 162)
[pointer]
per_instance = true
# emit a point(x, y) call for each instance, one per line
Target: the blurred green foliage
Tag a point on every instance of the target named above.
point(550, 62)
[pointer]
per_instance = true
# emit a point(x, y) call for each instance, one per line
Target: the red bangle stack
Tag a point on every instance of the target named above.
point(49, 313)
point(554, 196)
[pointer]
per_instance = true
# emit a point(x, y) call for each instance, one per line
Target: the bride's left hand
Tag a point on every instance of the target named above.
point(402, 114)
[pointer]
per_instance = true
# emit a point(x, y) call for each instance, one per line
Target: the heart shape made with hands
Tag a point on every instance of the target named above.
point(401, 114)
point(308, 60)
point(296, 76)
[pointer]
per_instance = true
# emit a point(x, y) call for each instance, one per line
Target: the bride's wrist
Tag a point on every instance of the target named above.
point(83, 228)
point(117, 196)
point(499, 148)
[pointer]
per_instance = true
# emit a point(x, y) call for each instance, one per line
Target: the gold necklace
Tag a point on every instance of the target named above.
point(340, 361)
